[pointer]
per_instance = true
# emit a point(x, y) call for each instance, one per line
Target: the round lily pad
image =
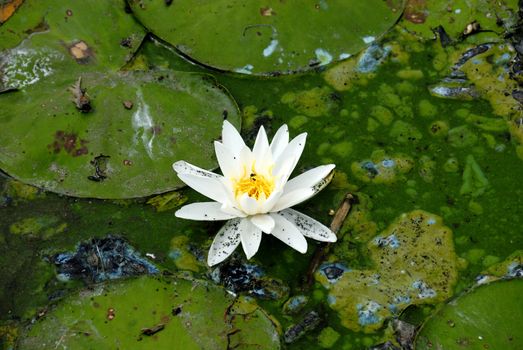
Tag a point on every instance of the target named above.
point(112, 135)
point(271, 37)
point(489, 317)
point(152, 313)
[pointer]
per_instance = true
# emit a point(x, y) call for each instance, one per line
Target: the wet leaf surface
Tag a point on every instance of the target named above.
point(488, 317)
point(271, 38)
point(112, 151)
point(146, 312)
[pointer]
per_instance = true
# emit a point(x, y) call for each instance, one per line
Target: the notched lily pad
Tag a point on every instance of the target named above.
point(157, 313)
point(112, 151)
point(415, 263)
point(271, 38)
point(488, 317)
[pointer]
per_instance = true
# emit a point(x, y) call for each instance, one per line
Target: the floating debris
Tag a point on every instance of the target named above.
point(237, 277)
point(102, 259)
point(81, 100)
point(310, 322)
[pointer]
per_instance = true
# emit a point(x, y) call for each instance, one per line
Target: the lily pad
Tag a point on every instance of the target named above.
point(138, 125)
point(147, 313)
point(72, 29)
point(267, 38)
point(489, 317)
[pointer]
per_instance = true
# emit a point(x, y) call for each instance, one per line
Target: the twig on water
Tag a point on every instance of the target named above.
point(322, 250)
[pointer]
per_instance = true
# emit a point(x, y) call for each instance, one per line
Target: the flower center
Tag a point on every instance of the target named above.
point(254, 185)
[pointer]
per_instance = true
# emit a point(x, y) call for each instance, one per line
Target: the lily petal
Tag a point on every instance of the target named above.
point(229, 208)
point(225, 242)
point(206, 211)
point(292, 154)
point(263, 222)
point(309, 178)
point(229, 162)
point(231, 138)
point(248, 205)
point(261, 145)
point(261, 152)
point(279, 141)
point(299, 194)
point(308, 226)
point(209, 187)
point(182, 167)
point(250, 236)
point(288, 234)
point(271, 201)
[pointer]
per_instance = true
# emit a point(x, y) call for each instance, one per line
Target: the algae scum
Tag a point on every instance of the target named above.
point(418, 105)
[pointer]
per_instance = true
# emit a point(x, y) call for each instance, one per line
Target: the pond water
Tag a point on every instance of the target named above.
point(423, 123)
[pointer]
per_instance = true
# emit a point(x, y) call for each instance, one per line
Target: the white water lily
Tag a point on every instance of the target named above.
point(255, 193)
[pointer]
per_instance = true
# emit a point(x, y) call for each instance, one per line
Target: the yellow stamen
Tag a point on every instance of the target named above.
point(254, 185)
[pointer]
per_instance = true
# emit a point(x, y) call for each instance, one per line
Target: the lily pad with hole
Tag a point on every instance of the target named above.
point(271, 37)
point(146, 313)
point(122, 141)
point(488, 317)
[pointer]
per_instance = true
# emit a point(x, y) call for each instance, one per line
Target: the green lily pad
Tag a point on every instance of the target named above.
point(140, 123)
point(272, 37)
point(148, 313)
point(489, 317)
point(72, 30)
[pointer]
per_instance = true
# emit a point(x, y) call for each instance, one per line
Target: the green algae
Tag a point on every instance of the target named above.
point(167, 201)
point(413, 263)
point(312, 103)
point(461, 137)
point(475, 183)
point(42, 226)
point(404, 132)
point(382, 168)
point(328, 338)
point(182, 256)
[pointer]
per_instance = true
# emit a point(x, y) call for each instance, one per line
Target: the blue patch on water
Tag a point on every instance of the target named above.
point(331, 299)
point(333, 271)
point(390, 241)
point(367, 314)
point(372, 57)
point(388, 163)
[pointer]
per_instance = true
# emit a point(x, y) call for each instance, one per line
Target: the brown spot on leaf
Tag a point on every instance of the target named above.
point(127, 104)
point(156, 130)
point(69, 143)
point(40, 27)
point(81, 52)
point(416, 11)
point(267, 12)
